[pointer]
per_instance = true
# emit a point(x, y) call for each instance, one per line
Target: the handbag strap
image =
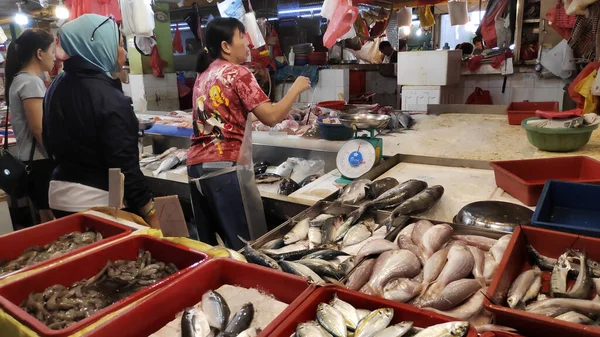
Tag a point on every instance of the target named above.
point(6, 128)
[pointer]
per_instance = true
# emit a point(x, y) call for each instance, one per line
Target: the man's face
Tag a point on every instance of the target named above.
point(388, 50)
point(479, 45)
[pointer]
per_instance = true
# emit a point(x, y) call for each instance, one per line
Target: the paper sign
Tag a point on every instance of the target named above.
point(170, 216)
point(116, 182)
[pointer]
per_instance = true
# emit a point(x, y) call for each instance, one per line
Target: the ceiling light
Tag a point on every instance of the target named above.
point(61, 11)
point(419, 32)
point(20, 18)
point(406, 30)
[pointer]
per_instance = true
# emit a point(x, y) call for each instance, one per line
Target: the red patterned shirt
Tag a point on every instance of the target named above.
point(223, 96)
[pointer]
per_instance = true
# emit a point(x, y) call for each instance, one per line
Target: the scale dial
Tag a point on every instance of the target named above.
point(355, 158)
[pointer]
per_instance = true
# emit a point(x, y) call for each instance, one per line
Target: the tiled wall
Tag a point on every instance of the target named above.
point(332, 83)
point(385, 88)
point(160, 93)
point(519, 87)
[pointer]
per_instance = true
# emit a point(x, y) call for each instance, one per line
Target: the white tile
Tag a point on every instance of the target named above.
point(482, 82)
point(496, 81)
point(326, 79)
point(522, 94)
point(548, 82)
point(544, 95)
point(501, 98)
point(470, 82)
point(339, 78)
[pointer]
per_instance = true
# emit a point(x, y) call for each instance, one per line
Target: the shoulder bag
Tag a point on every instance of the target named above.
point(14, 174)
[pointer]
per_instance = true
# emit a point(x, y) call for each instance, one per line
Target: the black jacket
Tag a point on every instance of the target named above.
point(88, 127)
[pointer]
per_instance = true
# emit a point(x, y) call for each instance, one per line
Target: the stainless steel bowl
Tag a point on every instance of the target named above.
point(364, 121)
point(498, 215)
point(145, 124)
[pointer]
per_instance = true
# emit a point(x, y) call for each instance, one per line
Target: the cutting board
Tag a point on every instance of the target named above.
point(317, 190)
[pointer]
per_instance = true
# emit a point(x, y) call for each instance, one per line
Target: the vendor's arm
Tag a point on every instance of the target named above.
point(120, 139)
point(272, 113)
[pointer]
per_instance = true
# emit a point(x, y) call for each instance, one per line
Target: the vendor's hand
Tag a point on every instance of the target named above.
point(300, 85)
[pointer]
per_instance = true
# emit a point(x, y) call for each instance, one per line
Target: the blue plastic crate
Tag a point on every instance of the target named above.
point(569, 207)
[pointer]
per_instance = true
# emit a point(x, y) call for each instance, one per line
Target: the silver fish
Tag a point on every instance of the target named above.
point(332, 320)
point(392, 264)
point(583, 284)
point(257, 257)
point(452, 329)
point(375, 247)
point(241, 320)
point(397, 330)
point(468, 310)
point(399, 194)
point(401, 290)
point(435, 238)
point(478, 267)
point(311, 329)
point(420, 202)
point(298, 232)
point(575, 317)
point(273, 244)
point(362, 313)
point(216, 310)
point(489, 267)
point(478, 241)
point(294, 247)
point(346, 266)
point(315, 238)
point(166, 165)
point(322, 219)
point(558, 278)
point(453, 294)
point(347, 311)
point(520, 286)
point(421, 227)
point(499, 247)
point(568, 304)
point(302, 271)
point(356, 234)
point(534, 289)
point(361, 275)
point(404, 242)
point(322, 268)
point(351, 220)
point(354, 192)
point(188, 323)
point(250, 332)
point(374, 322)
point(378, 187)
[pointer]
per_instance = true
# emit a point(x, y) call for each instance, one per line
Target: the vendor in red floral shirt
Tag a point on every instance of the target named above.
point(224, 94)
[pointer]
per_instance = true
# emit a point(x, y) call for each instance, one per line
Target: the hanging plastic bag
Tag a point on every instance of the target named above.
point(503, 31)
point(573, 93)
point(343, 18)
point(584, 88)
point(329, 7)
point(370, 52)
point(3, 37)
point(426, 17)
point(480, 96)
point(232, 9)
point(138, 18)
point(487, 27)
point(157, 63)
point(459, 13)
point(404, 17)
point(177, 44)
point(256, 38)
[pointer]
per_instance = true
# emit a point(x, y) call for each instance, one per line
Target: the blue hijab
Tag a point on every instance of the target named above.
point(76, 40)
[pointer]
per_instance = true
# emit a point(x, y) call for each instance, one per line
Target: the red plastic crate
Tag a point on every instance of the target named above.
point(525, 179)
point(307, 310)
point(518, 111)
point(515, 261)
point(85, 266)
point(13, 244)
point(188, 291)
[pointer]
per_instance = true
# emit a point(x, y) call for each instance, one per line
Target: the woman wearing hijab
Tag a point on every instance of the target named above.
point(89, 124)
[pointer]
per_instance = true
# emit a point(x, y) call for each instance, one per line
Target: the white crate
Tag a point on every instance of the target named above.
point(416, 98)
point(434, 67)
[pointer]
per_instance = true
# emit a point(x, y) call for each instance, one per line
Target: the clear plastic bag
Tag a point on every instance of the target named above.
point(232, 9)
point(257, 40)
point(304, 168)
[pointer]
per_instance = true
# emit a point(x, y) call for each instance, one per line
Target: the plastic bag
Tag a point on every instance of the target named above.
point(138, 18)
point(232, 9)
point(257, 40)
point(503, 32)
point(583, 88)
point(459, 13)
point(404, 17)
point(157, 63)
point(343, 19)
point(426, 17)
point(480, 96)
point(329, 7)
point(370, 52)
point(177, 44)
point(304, 168)
point(576, 96)
point(487, 27)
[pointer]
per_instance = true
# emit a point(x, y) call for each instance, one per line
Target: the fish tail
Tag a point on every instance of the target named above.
point(334, 204)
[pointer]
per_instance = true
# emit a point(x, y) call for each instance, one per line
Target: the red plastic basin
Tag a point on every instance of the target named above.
point(161, 307)
point(67, 273)
point(515, 261)
point(13, 244)
point(518, 111)
point(307, 310)
point(525, 179)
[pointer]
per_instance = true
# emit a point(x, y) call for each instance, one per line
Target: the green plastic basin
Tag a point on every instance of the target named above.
point(558, 140)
